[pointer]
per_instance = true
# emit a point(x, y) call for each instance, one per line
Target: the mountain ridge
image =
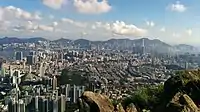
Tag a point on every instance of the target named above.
point(118, 44)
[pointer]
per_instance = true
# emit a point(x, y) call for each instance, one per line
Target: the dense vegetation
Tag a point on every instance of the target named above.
point(146, 98)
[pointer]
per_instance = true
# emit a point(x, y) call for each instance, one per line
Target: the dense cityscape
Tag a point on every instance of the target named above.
point(99, 56)
point(49, 76)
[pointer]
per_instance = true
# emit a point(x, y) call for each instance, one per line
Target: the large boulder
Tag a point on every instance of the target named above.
point(131, 108)
point(189, 104)
point(94, 102)
point(182, 103)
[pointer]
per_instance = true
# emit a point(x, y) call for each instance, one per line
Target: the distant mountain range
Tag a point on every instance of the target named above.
point(9, 40)
point(63, 41)
point(120, 44)
point(185, 47)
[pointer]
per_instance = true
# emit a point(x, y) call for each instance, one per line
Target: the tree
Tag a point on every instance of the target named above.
point(146, 98)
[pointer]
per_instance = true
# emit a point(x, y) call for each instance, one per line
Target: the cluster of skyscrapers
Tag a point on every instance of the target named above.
point(32, 90)
point(44, 98)
point(30, 58)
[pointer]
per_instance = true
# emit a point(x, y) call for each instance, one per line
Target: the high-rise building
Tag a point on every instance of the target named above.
point(55, 101)
point(36, 104)
point(12, 106)
point(134, 49)
point(62, 103)
point(30, 68)
point(74, 94)
point(67, 89)
point(43, 105)
point(30, 59)
point(10, 71)
point(3, 72)
point(14, 80)
point(61, 56)
point(21, 106)
point(2, 69)
point(54, 83)
point(62, 89)
point(186, 65)
point(143, 47)
point(24, 64)
point(79, 92)
point(42, 69)
point(19, 56)
point(55, 105)
point(32, 53)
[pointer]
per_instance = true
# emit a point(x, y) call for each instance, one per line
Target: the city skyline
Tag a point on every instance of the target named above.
point(174, 22)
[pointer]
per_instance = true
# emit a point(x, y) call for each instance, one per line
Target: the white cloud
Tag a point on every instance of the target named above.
point(178, 7)
point(4, 25)
point(76, 23)
point(163, 29)
point(1, 14)
point(45, 28)
point(24, 26)
point(29, 26)
point(21, 23)
point(92, 6)
point(176, 35)
point(121, 28)
point(93, 27)
point(72, 28)
point(55, 24)
point(150, 23)
point(55, 4)
point(189, 32)
point(37, 15)
point(82, 6)
point(84, 33)
point(11, 13)
point(67, 20)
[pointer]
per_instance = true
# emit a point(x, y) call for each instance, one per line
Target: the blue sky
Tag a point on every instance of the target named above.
point(168, 20)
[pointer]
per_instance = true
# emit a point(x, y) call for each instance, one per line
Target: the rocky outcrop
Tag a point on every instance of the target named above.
point(188, 103)
point(94, 102)
point(119, 108)
point(187, 81)
point(131, 108)
point(182, 103)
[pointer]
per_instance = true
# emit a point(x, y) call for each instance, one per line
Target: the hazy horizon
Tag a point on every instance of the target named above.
point(198, 46)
